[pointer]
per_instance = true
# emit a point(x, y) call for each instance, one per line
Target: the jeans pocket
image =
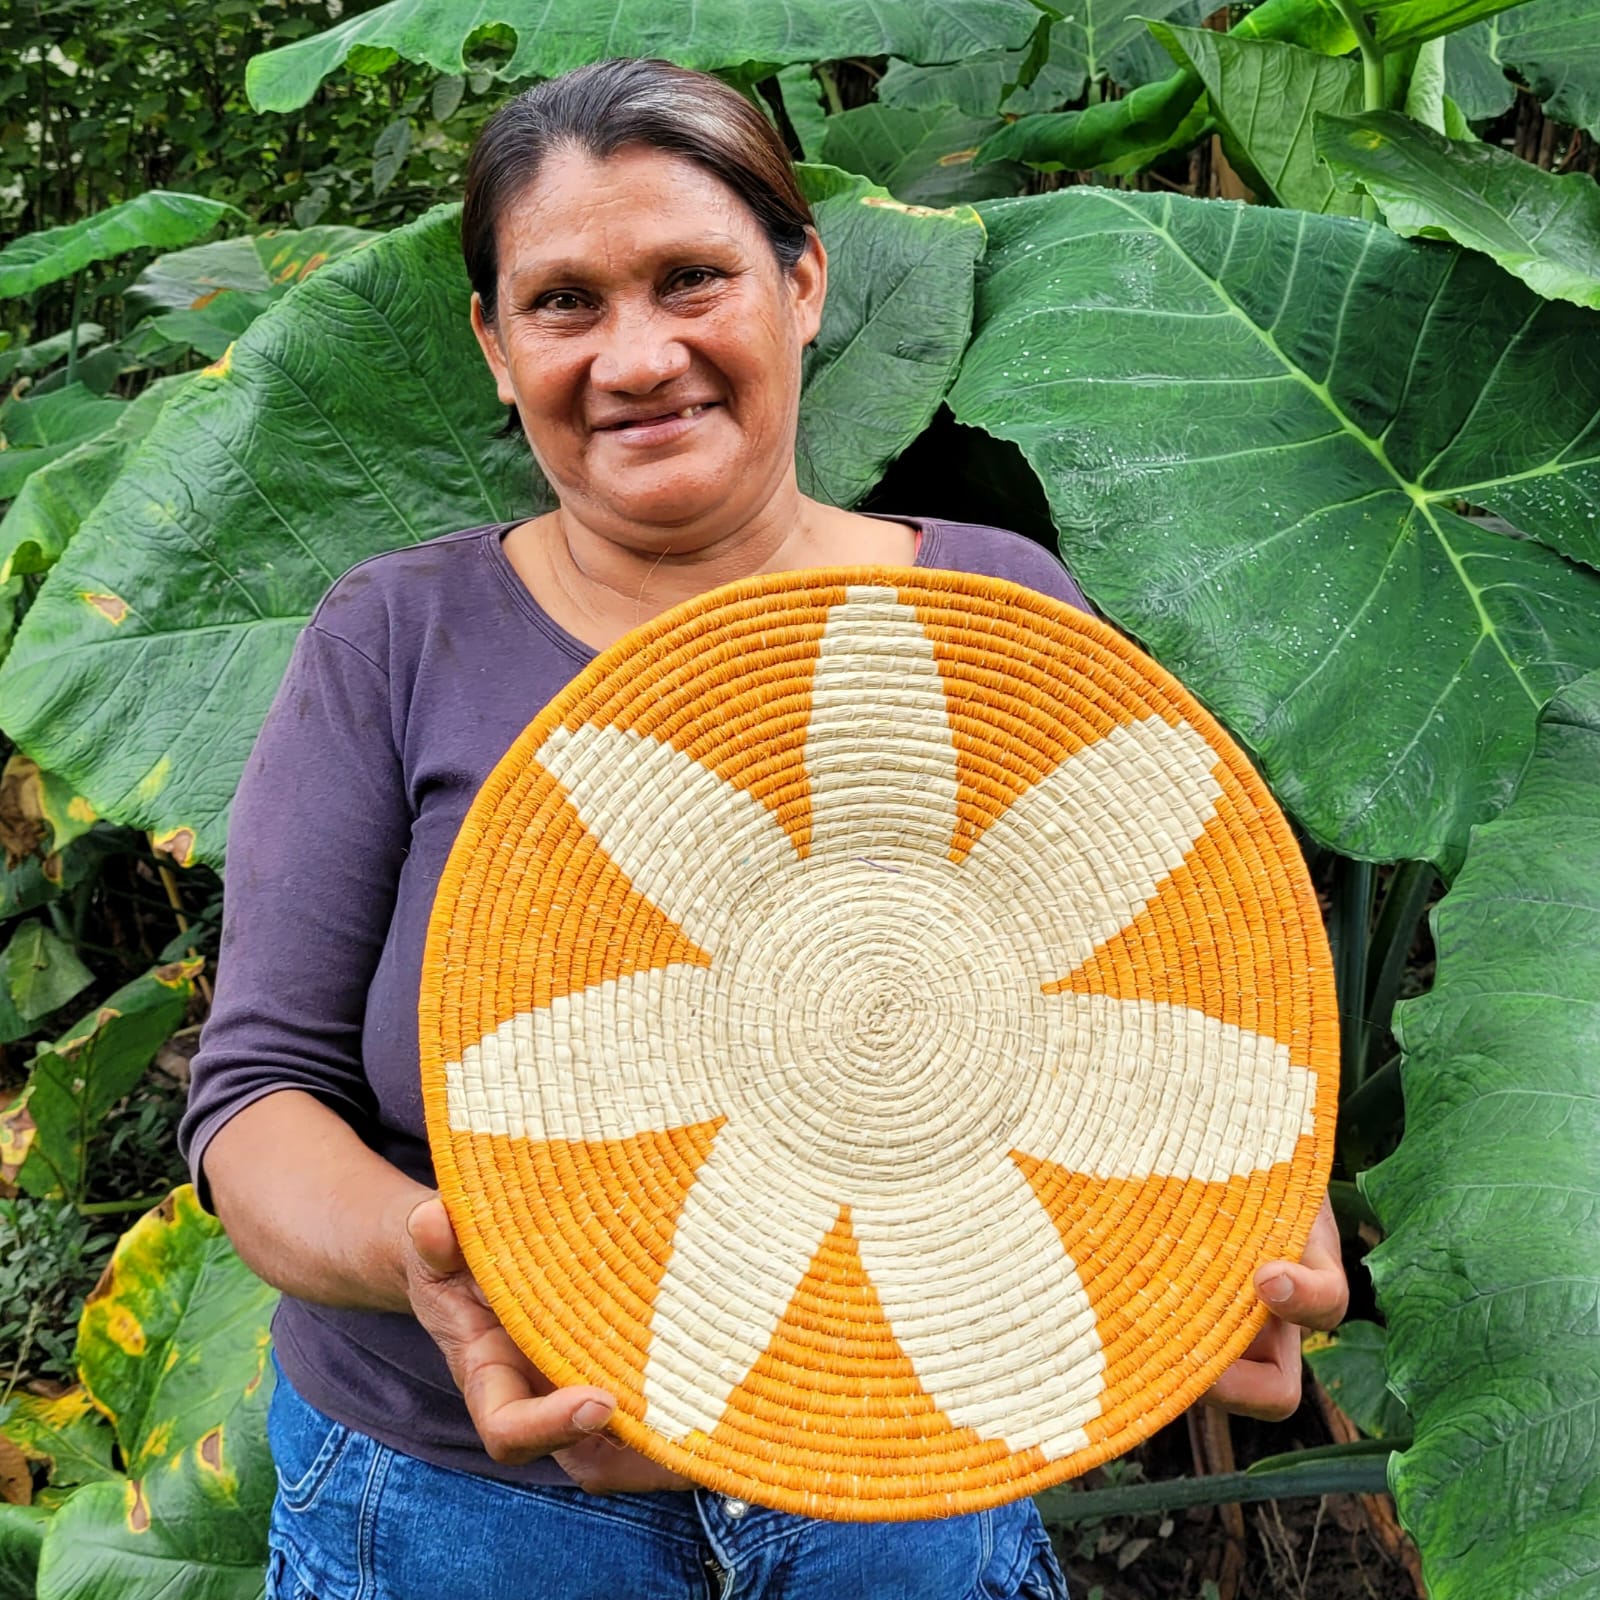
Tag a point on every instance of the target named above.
point(306, 1447)
point(1044, 1579)
point(283, 1582)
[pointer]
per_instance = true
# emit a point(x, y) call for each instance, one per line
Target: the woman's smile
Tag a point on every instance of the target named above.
point(653, 429)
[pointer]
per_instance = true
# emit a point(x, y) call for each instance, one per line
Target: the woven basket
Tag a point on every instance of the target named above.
point(874, 1023)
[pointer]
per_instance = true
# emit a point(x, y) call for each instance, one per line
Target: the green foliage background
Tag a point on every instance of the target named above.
point(1334, 457)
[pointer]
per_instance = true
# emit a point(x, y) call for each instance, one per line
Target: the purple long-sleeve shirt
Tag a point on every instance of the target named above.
point(418, 670)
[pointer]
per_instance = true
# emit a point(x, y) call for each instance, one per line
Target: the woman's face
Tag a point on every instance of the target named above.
point(651, 344)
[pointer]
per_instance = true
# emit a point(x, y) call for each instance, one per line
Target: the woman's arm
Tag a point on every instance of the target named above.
point(324, 1219)
point(329, 1220)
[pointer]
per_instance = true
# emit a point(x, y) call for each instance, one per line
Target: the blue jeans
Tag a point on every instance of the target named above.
point(356, 1520)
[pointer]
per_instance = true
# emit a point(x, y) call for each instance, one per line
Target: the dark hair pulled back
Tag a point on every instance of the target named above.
point(600, 108)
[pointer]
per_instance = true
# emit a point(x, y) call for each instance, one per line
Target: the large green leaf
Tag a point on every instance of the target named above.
point(358, 417)
point(1124, 135)
point(1254, 428)
point(68, 1435)
point(899, 313)
point(921, 157)
point(173, 1340)
point(1102, 39)
point(208, 295)
point(27, 359)
point(1553, 45)
point(155, 220)
point(173, 1346)
point(1263, 96)
point(40, 429)
point(1490, 1274)
point(1114, 135)
point(1398, 23)
point(51, 505)
point(1143, 58)
point(714, 35)
point(977, 85)
point(803, 105)
point(263, 263)
point(21, 1539)
point(1543, 228)
point(1095, 32)
point(76, 1080)
point(42, 971)
point(1473, 78)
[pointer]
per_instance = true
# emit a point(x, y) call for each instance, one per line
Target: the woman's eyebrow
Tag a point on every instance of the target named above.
point(579, 269)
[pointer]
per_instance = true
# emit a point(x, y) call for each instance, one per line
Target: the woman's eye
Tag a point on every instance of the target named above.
point(693, 278)
point(560, 300)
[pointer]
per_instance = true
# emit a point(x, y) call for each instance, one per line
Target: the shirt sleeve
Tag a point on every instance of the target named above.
point(1047, 574)
point(317, 836)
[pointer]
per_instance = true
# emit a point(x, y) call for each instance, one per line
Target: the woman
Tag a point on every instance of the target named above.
point(646, 277)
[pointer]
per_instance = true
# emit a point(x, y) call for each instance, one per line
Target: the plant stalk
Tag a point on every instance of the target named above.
point(72, 333)
point(1372, 86)
point(1403, 905)
point(1373, 94)
point(1358, 1475)
point(830, 89)
point(114, 1208)
point(169, 882)
point(1352, 916)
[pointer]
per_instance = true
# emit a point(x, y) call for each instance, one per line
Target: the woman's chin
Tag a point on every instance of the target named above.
point(669, 505)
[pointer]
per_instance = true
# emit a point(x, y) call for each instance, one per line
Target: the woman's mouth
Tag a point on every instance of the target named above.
point(661, 428)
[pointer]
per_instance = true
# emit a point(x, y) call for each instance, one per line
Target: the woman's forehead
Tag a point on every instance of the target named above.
point(620, 208)
point(619, 212)
point(573, 186)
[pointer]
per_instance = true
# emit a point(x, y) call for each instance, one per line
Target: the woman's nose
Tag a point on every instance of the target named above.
point(638, 351)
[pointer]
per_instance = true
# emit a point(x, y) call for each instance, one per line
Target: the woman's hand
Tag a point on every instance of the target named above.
point(1311, 1293)
point(519, 1415)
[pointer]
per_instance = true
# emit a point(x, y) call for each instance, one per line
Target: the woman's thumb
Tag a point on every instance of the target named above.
point(428, 1223)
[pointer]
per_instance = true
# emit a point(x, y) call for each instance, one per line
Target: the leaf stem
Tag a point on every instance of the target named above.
point(113, 1208)
point(169, 882)
point(1347, 932)
point(1374, 94)
point(1403, 905)
point(1372, 86)
point(1363, 1474)
point(72, 333)
point(830, 88)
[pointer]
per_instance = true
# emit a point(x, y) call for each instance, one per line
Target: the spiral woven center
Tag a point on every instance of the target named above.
point(894, 1052)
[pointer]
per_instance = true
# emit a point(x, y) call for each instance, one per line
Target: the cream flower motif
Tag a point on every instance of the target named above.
point(899, 1076)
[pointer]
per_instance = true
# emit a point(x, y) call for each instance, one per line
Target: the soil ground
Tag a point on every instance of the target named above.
point(1338, 1547)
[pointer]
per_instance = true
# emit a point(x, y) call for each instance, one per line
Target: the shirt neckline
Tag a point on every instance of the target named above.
point(493, 545)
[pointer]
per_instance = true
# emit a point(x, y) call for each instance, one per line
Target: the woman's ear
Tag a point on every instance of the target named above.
point(489, 343)
point(808, 287)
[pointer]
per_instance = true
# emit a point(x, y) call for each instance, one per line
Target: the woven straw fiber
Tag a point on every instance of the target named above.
point(874, 1023)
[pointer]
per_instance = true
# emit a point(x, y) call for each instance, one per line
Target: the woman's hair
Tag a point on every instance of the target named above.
point(600, 108)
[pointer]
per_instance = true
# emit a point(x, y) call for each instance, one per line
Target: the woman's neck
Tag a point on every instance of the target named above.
point(642, 579)
point(599, 587)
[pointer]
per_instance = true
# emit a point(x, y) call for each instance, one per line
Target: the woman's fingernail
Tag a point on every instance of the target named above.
point(1276, 1290)
point(591, 1416)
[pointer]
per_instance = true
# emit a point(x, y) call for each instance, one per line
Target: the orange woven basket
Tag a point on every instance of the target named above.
point(874, 1023)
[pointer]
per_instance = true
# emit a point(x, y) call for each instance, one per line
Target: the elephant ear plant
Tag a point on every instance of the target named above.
point(1332, 457)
